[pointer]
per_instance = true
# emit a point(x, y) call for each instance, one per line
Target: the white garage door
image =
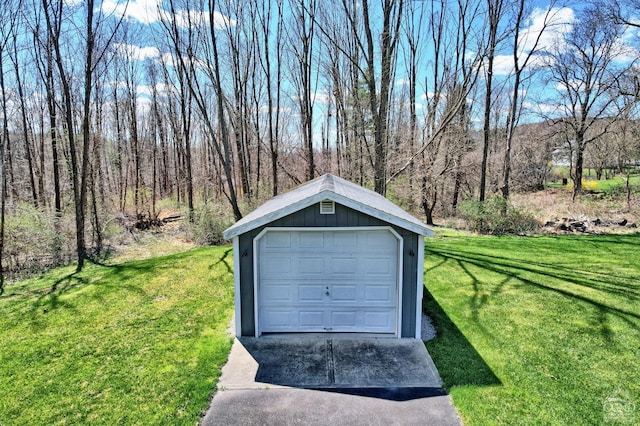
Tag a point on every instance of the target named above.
point(328, 281)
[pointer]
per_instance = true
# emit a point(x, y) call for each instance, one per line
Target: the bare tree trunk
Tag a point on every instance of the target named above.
point(51, 104)
point(185, 113)
point(53, 18)
point(579, 166)
point(3, 174)
point(495, 11)
point(273, 105)
point(25, 126)
point(222, 123)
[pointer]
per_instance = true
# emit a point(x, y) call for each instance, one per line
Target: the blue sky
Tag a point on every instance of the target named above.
point(146, 14)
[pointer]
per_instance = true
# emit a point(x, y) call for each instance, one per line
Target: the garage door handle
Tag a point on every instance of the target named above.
point(327, 292)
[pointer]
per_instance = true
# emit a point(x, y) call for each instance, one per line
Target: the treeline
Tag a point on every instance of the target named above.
point(109, 107)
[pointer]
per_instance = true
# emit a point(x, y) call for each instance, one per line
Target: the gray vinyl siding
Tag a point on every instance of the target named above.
point(343, 217)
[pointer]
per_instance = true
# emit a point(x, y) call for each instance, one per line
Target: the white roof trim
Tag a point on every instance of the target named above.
point(328, 185)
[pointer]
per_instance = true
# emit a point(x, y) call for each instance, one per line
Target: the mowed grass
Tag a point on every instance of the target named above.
point(139, 342)
point(538, 330)
point(616, 184)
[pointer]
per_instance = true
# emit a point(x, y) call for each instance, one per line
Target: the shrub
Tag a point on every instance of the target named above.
point(34, 241)
point(590, 185)
point(587, 185)
point(209, 222)
point(496, 216)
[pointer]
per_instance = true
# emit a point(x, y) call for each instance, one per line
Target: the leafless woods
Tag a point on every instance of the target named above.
point(109, 107)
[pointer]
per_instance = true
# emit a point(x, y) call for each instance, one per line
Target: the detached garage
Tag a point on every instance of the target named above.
point(328, 257)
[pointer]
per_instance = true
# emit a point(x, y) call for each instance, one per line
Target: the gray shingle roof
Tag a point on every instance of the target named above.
point(328, 187)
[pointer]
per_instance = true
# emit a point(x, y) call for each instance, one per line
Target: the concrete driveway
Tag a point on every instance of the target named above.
point(336, 380)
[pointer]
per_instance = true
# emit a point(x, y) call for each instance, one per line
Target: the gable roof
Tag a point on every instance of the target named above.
point(328, 187)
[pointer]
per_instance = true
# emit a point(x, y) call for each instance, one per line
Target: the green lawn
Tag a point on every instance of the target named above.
point(616, 184)
point(140, 342)
point(538, 330)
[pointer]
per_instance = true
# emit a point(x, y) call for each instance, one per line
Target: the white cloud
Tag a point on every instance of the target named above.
point(545, 109)
point(143, 11)
point(427, 96)
point(151, 11)
point(264, 109)
point(552, 23)
point(623, 47)
point(117, 84)
point(503, 64)
point(186, 18)
point(321, 97)
point(136, 52)
point(162, 89)
point(144, 90)
point(547, 28)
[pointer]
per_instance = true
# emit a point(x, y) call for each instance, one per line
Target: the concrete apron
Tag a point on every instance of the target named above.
point(314, 362)
point(320, 380)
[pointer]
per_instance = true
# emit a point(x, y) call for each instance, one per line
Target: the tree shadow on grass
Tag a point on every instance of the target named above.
point(458, 363)
point(598, 290)
point(50, 298)
point(224, 260)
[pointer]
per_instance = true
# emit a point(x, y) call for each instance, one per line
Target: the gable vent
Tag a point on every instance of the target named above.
point(327, 207)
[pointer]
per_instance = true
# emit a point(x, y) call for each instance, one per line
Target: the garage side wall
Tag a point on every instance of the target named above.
point(343, 217)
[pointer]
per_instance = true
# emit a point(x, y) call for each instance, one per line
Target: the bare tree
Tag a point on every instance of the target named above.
point(8, 16)
point(24, 120)
point(450, 80)
point(302, 39)
point(377, 71)
point(522, 59)
point(267, 43)
point(495, 13)
point(586, 72)
point(93, 54)
point(201, 66)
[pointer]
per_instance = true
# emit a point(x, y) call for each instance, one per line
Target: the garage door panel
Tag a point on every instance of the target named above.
point(379, 320)
point(312, 240)
point(342, 266)
point(358, 270)
point(379, 240)
point(378, 293)
point(344, 293)
point(277, 318)
point(312, 319)
point(345, 239)
point(278, 240)
point(311, 293)
point(310, 265)
point(277, 293)
point(276, 265)
point(380, 266)
point(344, 320)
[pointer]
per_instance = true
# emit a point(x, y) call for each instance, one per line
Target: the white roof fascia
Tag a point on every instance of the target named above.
point(382, 215)
point(247, 225)
point(243, 226)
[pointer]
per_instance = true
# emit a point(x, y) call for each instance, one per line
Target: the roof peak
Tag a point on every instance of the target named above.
point(327, 182)
point(328, 186)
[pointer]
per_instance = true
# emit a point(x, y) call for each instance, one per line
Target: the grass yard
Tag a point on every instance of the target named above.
point(138, 342)
point(616, 184)
point(538, 330)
